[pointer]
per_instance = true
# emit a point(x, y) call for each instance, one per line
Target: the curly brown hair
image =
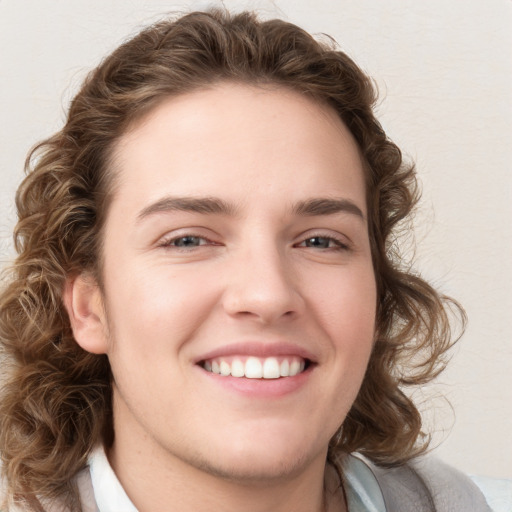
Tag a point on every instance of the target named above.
point(56, 398)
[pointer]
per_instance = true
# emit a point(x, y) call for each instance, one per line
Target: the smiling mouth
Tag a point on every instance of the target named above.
point(256, 367)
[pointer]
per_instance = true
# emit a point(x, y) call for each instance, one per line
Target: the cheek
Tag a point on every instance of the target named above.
point(157, 305)
point(345, 306)
point(346, 298)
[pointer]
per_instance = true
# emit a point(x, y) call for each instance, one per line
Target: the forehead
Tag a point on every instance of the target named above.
point(229, 137)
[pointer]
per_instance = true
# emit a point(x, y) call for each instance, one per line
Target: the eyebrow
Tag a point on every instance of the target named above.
point(213, 205)
point(327, 206)
point(205, 205)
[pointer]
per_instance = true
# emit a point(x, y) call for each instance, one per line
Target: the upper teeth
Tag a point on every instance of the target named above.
point(255, 367)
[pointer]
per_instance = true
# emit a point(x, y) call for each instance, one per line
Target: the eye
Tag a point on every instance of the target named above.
point(185, 242)
point(323, 242)
point(188, 241)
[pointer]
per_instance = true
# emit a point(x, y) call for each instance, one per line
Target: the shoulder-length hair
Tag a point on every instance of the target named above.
point(56, 398)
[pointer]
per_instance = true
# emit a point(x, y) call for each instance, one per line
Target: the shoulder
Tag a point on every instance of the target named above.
point(451, 490)
point(426, 484)
point(497, 492)
point(85, 490)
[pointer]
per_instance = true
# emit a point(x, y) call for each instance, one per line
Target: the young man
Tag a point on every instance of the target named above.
point(205, 313)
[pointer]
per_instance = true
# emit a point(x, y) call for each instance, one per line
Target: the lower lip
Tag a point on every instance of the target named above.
point(260, 388)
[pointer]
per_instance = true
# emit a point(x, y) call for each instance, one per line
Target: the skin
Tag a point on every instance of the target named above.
point(261, 271)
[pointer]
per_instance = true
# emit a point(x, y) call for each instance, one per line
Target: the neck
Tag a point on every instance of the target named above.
point(152, 482)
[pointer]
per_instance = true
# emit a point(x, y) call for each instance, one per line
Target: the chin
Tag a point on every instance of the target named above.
point(260, 468)
point(259, 458)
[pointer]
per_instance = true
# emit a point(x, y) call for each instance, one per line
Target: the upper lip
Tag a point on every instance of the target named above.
point(258, 349)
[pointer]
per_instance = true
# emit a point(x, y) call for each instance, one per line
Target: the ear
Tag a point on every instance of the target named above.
point(84, 304)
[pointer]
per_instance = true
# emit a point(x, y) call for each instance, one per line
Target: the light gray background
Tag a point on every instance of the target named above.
point(445, 74)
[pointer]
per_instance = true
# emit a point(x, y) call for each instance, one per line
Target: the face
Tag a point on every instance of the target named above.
point(239, 291)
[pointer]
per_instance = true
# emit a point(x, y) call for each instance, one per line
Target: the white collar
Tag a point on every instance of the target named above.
point(361, 486)
point(108, 491)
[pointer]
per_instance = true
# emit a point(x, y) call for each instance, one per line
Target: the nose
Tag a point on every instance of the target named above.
point(262, 286)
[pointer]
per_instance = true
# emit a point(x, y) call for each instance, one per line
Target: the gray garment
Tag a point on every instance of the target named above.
point(423, 485)
point(86, 489)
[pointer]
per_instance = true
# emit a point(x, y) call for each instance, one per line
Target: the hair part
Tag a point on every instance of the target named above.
point(56, 399)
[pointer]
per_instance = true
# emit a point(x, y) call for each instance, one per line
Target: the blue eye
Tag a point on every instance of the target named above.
point(187, 241)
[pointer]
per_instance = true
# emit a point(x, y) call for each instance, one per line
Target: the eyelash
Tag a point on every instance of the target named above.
point(169, 242)
point(337, 243)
